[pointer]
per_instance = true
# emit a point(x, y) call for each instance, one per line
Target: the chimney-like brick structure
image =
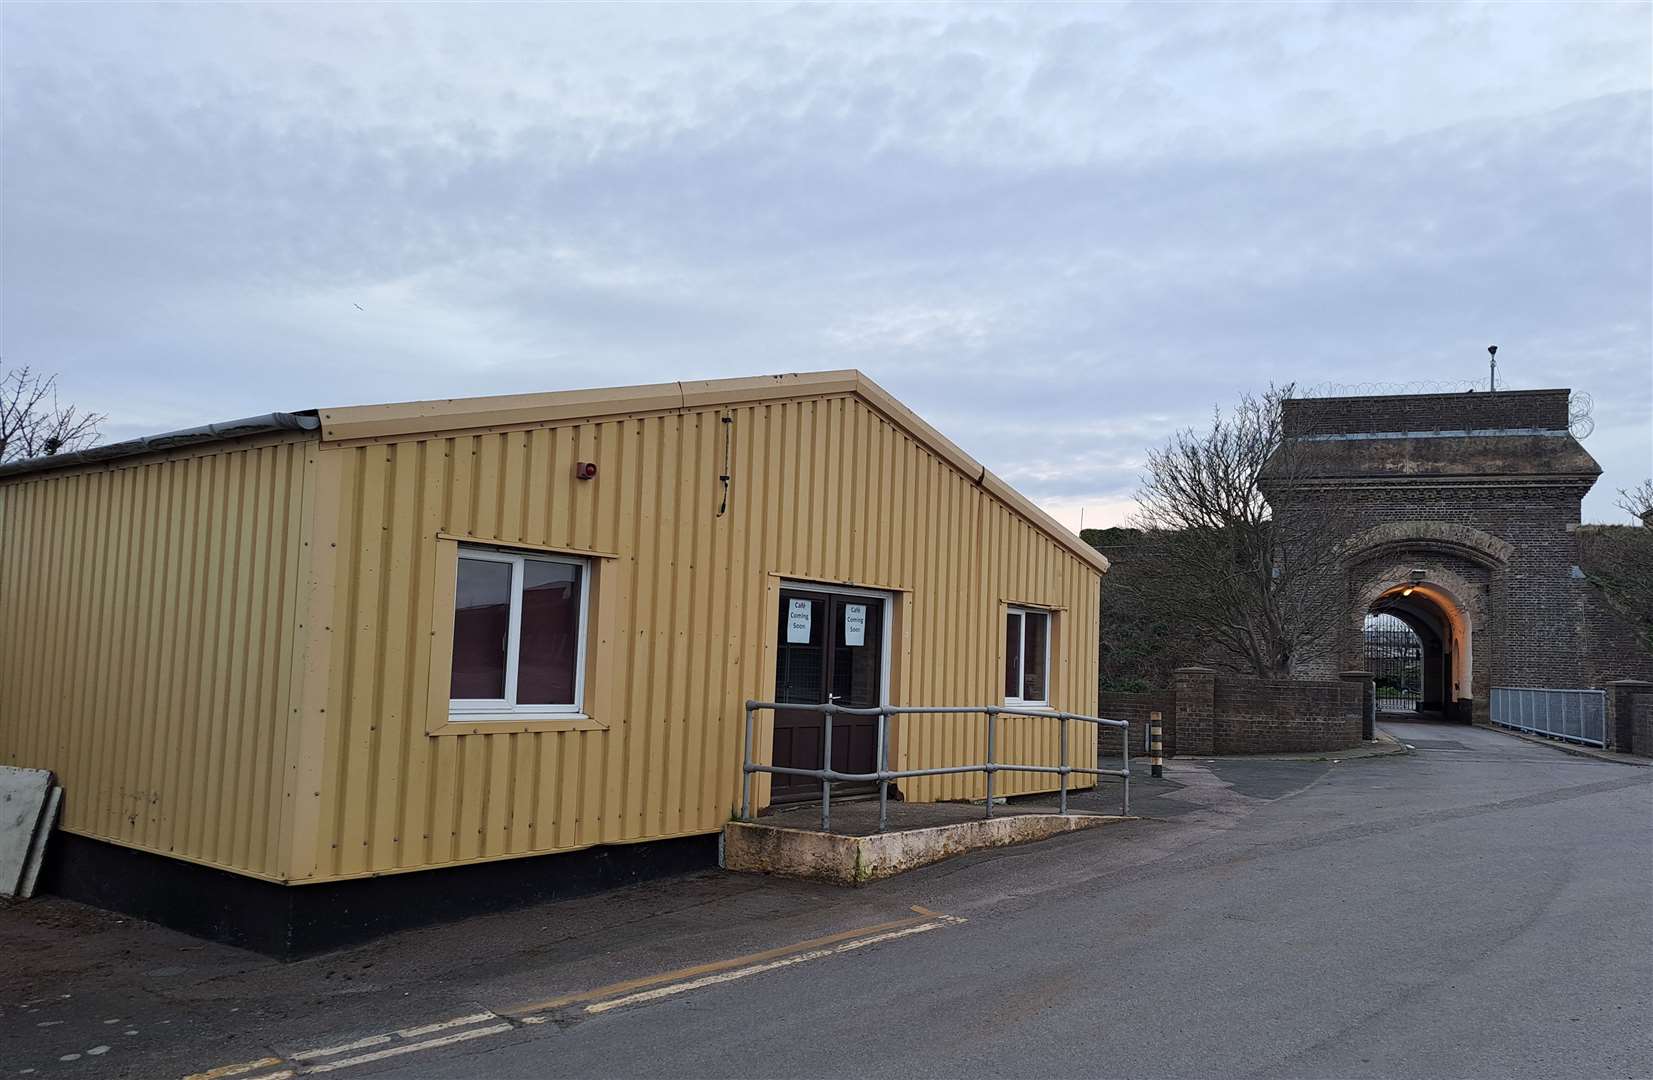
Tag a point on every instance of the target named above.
point(1477, 495)
point(1621, 713)
point(1368, 708)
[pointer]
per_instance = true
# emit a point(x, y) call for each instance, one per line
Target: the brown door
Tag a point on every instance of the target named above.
point(831, 649)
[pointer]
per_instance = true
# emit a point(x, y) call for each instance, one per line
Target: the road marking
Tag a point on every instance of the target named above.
point(927, 913)
point(296, 1063)
point(756, 969)
point(627, 986)
point(234, 1070)
point(380, 1040)
point(409, 1048)
point(443, 1025)
point(602, 999)
point(359, 1044)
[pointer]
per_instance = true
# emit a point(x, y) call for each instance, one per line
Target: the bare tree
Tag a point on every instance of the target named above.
point(32, 421)
point(1247, 577)
point(1637, 501)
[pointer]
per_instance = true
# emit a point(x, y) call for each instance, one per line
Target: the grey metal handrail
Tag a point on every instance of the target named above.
point(1572, 715)
point(885, 774)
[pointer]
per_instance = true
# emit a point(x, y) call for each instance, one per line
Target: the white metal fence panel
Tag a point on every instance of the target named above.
point(1574, 715)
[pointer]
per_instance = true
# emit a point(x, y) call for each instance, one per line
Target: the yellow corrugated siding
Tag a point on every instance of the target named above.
point(825, 489)
point(147, 634)
point(226, 653)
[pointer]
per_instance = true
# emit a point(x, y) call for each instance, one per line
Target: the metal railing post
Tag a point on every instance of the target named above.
point(885, 715)
point(992, 718)
point(1125, 754)
point(826, 760)
point(883, 767)
point(1064, 726)
point(746, 770)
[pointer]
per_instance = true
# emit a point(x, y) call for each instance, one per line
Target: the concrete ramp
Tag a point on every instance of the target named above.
point(756, 847)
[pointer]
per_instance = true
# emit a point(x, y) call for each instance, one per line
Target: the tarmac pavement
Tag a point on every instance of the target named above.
point(1480, 906)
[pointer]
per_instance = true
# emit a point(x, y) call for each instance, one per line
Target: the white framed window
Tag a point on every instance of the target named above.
point(519, 628)
point(1026, 656)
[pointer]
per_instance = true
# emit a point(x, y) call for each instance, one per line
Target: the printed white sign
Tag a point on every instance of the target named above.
point(797, 622)
point(855, 624)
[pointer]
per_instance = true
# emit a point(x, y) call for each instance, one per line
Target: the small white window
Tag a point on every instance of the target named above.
point(518, 634)
point(1026, 657)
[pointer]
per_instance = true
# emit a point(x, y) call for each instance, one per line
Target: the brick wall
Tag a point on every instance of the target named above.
point(1543, 410)
point(1627, 703)
point(1211, 712)
point(1642, 741)
point(1257, 716)
point(1136, 708)
point(1536, 621)
point(1531, 614)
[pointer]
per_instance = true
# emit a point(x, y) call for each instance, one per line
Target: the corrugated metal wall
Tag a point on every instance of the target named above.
point(225, 653)
point(147, 635)
point(824, 489)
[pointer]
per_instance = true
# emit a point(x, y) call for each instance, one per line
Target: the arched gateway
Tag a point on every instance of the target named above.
point(1455, 515)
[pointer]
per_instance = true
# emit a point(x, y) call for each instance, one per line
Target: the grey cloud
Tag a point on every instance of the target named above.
point(1057, 232)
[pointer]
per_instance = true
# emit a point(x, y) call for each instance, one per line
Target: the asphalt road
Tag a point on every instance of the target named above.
point(1472, 910)
point(1480, 907)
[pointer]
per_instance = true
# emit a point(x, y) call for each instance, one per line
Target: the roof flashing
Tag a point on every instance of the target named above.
point(222, 431)
point(351, 423)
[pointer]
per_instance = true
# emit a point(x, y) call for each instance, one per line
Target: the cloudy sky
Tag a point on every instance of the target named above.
point(1056, 232)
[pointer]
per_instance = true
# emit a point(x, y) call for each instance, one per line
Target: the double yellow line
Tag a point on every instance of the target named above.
point(603, 998)
point(628, 987)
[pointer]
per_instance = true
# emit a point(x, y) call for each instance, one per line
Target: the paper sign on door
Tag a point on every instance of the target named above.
point(855, 624)
point(798, 616)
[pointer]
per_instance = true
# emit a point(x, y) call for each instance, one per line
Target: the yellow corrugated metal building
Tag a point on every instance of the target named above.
point(388, 638)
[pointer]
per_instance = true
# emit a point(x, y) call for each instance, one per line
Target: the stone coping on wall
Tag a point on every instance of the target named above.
point(1383, 746)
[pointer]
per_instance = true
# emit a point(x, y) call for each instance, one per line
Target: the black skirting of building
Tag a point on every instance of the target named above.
point(292, 921)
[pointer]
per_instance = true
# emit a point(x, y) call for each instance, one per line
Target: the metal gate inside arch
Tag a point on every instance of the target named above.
point(1394, 654)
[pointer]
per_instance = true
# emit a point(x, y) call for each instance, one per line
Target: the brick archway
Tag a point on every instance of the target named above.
point(1439, 537)
point(1478, 494)
point(1452, 676)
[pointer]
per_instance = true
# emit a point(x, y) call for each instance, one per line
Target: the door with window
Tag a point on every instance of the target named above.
point(831, 648)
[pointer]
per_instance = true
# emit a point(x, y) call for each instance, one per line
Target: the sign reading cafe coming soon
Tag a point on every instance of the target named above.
point(798, 618)
point(855, 624)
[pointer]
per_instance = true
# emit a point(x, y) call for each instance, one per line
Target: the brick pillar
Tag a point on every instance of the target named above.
point(1368, 701)
point(1621, 722)
point(1196, 689)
